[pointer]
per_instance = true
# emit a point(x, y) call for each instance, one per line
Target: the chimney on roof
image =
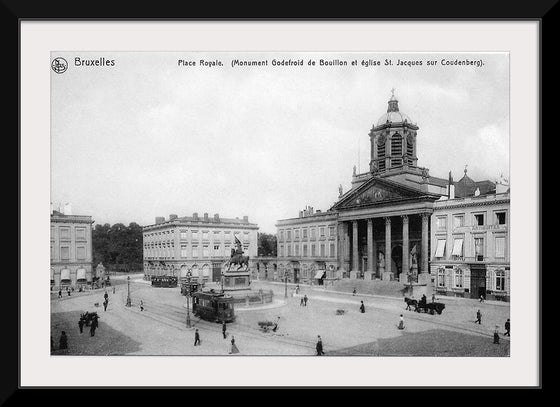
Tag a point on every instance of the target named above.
point(159, 219)
point(301, 214)
point(172, 217)
point(205, 217)
point(195, 216)
point(216, 217)
point(67, 209)
point(246, 219)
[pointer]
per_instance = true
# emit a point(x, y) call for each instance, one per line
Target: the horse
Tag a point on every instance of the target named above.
point(238, 259)
point(409, 302)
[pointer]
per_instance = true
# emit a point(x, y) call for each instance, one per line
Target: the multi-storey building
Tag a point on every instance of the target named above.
point(307, 247)
point(390, 224)
point(470, 242)
point(199, 245)
point(71, 249)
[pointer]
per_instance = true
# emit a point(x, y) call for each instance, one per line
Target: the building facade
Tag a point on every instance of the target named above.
point(71, 250)
point(307, 247)
point(470, 245)
point(199, 245)
point(389, 224)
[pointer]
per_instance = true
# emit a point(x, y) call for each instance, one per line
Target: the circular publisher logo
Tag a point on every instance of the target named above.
point(59, 65)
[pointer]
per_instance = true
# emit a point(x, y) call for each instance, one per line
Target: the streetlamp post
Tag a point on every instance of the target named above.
point(286, 284)
point(188, 295)
point(128, 302)
point(222, 279)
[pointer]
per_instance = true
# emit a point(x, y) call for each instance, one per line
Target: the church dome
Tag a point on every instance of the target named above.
point(393, 114)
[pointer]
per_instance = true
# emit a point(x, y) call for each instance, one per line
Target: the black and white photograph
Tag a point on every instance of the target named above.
point(278, 198)
point(287, 209)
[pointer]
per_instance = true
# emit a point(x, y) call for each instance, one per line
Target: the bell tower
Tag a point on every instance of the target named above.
point(393, 140)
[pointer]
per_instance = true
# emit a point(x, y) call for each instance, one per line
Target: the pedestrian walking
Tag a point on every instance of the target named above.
point(507, 326)
point(354, 291)
point(301, 302)
point(196, 338)
point(81, 325)
point(105, 304)
point(68, 291)
point(362, 307)
point(63, 342)
point(297, 289)
point(319, 346)
point(401, 322)
point(305, 300)
point(142, 306)
point(478, 318)
point(93, 327)
point(59, 293)
point(496, 336)
point(481, 298)
point(113, 290)
point(433, 298)
point(106, 296)
point(233, 348)
point(224, 329)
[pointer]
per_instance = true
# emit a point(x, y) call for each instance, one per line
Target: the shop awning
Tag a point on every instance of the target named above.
point(440, 248)
point(65, 275)
point(320, 274)
point(457, 247)
point(81, 274)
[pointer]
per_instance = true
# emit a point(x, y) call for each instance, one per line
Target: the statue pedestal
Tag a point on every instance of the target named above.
point(368, 275)
point(236, 280)
point(403, 277)
point(354, 274)
point(424, 278)
point(386, 276)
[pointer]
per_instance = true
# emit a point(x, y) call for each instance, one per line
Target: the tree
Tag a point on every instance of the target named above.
point(118, 246)
point(266, 244)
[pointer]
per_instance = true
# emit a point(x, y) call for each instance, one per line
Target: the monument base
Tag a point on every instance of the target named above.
point(236, 280)
point(386, 276)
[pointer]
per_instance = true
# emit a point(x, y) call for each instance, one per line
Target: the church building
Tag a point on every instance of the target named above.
point(387, 223)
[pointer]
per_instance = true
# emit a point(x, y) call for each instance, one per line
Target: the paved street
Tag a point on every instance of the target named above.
point(161, 328)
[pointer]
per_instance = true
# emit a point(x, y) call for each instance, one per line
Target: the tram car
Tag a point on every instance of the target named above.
point(213, 306)
point(164, 281)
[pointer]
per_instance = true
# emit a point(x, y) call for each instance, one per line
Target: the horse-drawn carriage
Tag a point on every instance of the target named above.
point(424, 306)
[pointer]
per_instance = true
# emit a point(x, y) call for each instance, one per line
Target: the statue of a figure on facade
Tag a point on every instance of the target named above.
point(237, 256)
point(354, 171)
point(413, 261)
point(340, 190)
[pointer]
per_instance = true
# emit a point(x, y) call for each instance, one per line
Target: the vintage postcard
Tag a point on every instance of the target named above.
point(280, 204)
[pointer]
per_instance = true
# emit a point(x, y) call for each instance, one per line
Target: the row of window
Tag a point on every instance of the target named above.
point(457, 252)
point(307, 251)
point(192, 252)
point(81, 252)
point(478, 219)
point(195, 235)
point(306, 232)
point(65, 232)
point(458, 279)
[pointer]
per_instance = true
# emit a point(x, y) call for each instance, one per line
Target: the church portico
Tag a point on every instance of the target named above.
point(385, 247)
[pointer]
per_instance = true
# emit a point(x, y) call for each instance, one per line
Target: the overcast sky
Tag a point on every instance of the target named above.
point(147, 138)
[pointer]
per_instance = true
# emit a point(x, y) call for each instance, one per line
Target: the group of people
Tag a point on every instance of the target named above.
point(303, 301)
point(68, 291)
point(233, 347)
point(507, 327)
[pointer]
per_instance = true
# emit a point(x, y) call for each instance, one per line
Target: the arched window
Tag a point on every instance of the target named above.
point(381, 152)
point(500, 280)
point(194, 270)
point(206, 271)
point(396, 150)
point(81, 275)
point(65, 275)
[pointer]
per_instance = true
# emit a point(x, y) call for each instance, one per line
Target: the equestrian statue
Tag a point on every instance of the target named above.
point(237, 257)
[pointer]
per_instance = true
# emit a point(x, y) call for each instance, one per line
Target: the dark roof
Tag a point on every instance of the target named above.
point(466, 187)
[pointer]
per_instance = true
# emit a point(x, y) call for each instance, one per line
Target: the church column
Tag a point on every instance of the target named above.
point(423, 277)
point(387, 274)
point(355, 259)
point(405, 250)
point(343, 247)
point(370, 254)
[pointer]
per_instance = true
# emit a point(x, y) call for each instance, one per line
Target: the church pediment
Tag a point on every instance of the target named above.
point(378, 191)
